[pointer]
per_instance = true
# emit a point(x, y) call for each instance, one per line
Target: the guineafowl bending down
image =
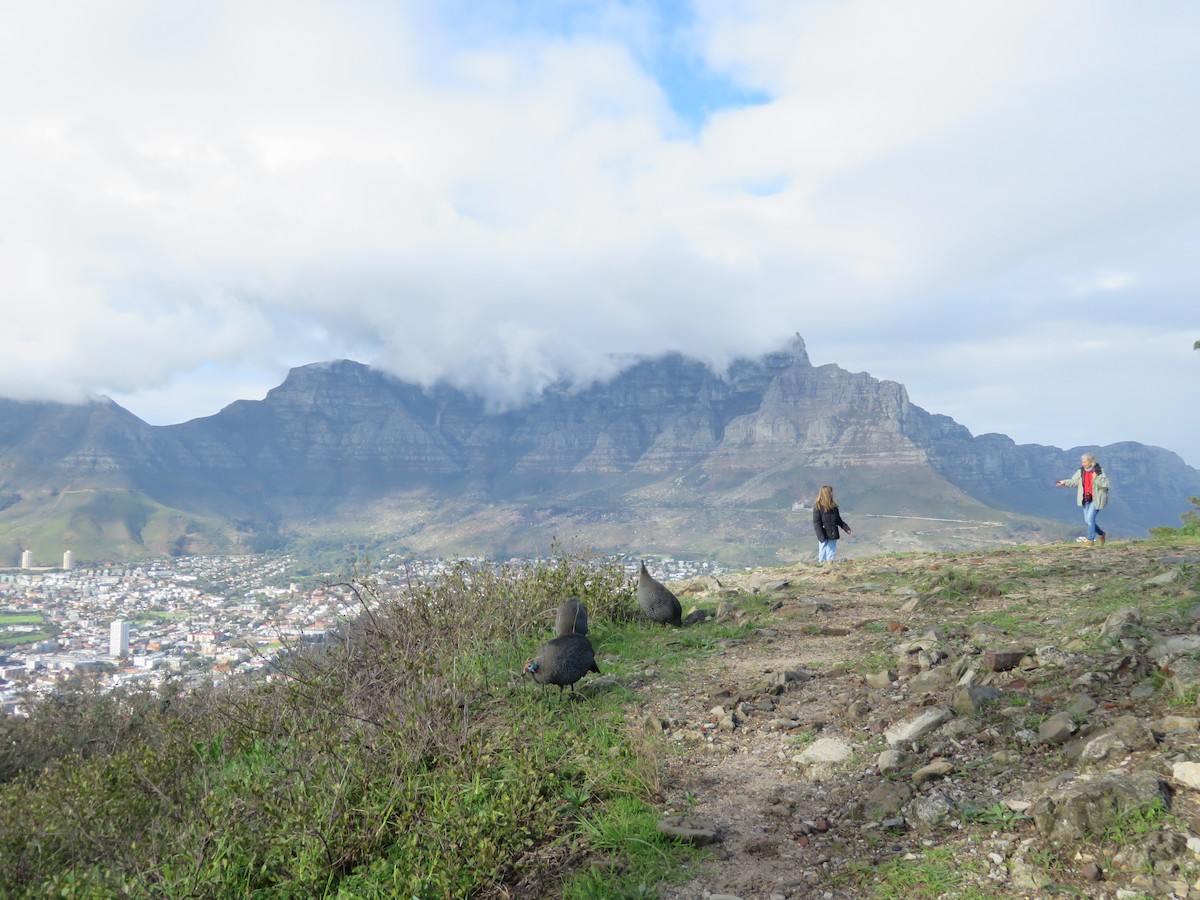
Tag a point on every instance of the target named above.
point(658, 603)
point(572, 618)
point(563, 661)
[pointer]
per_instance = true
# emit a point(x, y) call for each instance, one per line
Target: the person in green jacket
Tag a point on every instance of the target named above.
point(1091, 492)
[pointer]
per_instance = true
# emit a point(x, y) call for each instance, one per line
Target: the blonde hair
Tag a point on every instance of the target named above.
point(824, 501)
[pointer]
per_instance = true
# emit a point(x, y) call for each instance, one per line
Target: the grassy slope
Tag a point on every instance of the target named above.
point(100, 525)
point(738, 528)
point(747, 523)
point(410, 760)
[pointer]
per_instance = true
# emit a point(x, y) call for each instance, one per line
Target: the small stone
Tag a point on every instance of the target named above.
point(858, 710)
point(939, 768)
point(654, 725)
point(826, 750)
point(1001, 660)
point(1121, 623)
point(1082, 705)
point(1187, 774)
point(935, 811)
point(880, 680)
point(891, 761)
point(1052, 657)
point(921, 725)
point(1164, 579)
point(691, 831)
point(969, 700)
point(1179, 724)
point(1057, 729)
point(931, 680)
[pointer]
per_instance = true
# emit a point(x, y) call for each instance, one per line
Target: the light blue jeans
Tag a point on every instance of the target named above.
point(826, 551)
point(1089, 517)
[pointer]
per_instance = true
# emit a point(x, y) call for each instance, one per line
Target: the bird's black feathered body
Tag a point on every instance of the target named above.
point(656, 601)
point(572, 618)
point(563, 661)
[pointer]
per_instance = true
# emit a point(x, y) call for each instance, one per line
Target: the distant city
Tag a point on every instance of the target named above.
point(193, 618)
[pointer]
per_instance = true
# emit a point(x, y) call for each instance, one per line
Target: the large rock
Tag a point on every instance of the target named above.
point(827, 751)
point(1122, 623)
point(1087, 807)
point(884, 801)
point(970, 699)
point(917, 727)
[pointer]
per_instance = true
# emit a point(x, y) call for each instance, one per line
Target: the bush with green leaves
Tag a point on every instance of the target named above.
point(1190, 527)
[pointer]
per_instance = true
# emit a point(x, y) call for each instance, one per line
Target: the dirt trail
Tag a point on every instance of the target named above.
point(789, 829)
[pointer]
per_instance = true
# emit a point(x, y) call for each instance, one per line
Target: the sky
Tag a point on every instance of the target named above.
point(994, 203)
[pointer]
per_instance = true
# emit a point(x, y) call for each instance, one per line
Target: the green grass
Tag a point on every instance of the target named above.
point(1188, 700)
point(802, 739)
point(934, 874)
point(17, 618)
point(106, 524)
point(158, 616)
point(998, 815)
point(410, 758)
point(1137, 822)
point(956, 585)
point(32, 637)
point(874, 661)
point(1005, 621)
point(626, 828)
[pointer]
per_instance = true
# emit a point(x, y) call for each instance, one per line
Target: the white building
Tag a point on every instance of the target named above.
point(27, 559)
point(118, 638)
point(68, 560)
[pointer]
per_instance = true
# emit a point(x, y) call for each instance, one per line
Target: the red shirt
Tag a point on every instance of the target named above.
point(1087, 481)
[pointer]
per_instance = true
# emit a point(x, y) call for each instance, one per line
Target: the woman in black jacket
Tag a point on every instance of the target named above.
point(826, 522)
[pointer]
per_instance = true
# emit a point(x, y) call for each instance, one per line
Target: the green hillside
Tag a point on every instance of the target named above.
point(99, 525)
point(411, 759)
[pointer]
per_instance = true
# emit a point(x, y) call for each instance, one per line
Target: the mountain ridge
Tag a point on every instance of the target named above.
point(668, 456)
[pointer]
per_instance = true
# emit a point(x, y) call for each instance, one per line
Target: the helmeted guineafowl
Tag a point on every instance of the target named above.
point(658, 603)
point(563, 661)
point(572, 617)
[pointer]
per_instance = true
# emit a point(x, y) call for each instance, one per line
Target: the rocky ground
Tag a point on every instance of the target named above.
point(1020, 723)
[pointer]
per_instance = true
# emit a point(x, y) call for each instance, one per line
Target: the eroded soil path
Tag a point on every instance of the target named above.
point(810, 676)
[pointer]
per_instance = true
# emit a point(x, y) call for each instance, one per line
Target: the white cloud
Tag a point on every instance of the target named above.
point(1099, 281)
point(195, 196)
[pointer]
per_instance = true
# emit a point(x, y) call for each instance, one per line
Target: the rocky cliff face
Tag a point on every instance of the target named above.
point(340, 442)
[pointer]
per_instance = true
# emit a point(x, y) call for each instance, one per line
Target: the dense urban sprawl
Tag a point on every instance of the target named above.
point(194, 617)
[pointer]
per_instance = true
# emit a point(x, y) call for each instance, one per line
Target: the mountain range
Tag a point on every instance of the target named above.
point(669, 458)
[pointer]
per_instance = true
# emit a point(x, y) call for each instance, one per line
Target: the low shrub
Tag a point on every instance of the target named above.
point(404, 758)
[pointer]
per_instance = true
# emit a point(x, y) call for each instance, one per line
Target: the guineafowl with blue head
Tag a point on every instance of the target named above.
point(572, 618)
point(563, 661)
point(656, 601)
